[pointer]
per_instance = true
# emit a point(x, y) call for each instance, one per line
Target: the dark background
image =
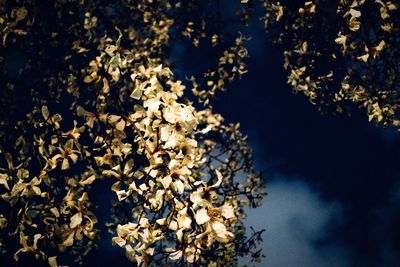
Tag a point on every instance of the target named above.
point(333, 180)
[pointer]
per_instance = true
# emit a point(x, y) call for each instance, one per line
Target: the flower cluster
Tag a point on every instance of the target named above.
point(181, 208)
point(340, 53)
point(94, 103)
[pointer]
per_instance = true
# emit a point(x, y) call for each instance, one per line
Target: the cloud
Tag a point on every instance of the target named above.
point(298, 226)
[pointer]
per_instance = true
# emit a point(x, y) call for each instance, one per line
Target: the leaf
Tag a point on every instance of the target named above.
point(69, 241)
point(3, 180)
point(65, 164)
point(119, 241)
point(115, 74)
point(176, 255)
point(178, 186)
point(122, 194)
point(179, 235)
point(113, 118)
point(137, 93)
point(364, 58)
point(120, 125)
point(88, 181)
point(90, 78)
point(69, 144)
point(3, 222)
point(19, 13)
point(45, 112)
point(115, 61)
point(355, 13)
point(76, 220)
point(128, 166)
point(111, 173)
point(32, 214)
point(53, 261)
point(227, 211)
point(73, 157)
point(196, 199)
point(202, 216)
point(219, 177)
point(166, 181)
point(54, 210)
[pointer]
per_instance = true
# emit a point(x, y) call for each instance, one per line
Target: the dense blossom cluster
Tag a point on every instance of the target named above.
point(341, 52)
point(88, 97)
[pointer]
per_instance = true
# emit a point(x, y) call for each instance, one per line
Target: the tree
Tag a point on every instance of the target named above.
point(88, 96)
point(341, 54)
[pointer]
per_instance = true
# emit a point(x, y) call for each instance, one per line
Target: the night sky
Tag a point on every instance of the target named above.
point(333, 180)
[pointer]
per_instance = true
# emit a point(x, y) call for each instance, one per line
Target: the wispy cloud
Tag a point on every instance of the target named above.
point(298, 226)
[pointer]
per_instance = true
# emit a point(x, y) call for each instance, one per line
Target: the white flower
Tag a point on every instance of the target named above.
point(202, 216)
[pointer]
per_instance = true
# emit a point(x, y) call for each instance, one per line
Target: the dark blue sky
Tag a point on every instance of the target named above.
point(334, 174)
point(333, 180)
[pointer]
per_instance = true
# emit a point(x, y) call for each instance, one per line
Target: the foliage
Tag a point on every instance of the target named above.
point(88, 96)
point(341, 54)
